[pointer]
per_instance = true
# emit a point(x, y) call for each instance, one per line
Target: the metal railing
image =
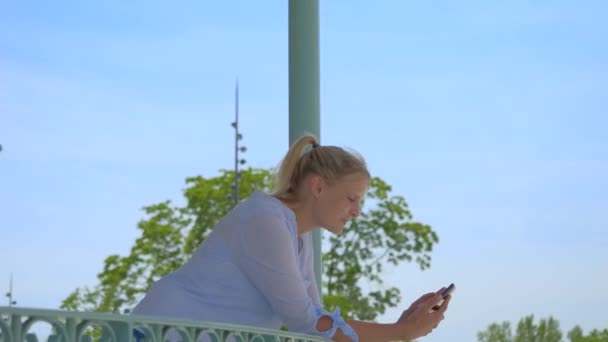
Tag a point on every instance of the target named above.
point(72, 326)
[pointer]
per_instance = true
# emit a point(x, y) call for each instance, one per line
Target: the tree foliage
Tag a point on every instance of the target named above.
point(547, 330)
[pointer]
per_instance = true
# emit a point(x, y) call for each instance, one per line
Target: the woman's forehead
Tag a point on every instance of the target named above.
point(354, 182)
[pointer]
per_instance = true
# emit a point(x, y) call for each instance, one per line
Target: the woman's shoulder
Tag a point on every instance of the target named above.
point(264, 204)
point(264, 208)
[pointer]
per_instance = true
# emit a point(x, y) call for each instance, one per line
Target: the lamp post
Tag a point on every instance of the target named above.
point(9, 294)
point(237, 149)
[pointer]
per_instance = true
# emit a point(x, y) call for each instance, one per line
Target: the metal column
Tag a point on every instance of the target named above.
point(304, 104)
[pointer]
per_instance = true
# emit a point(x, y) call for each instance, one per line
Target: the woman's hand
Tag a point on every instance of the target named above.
point(419, 319)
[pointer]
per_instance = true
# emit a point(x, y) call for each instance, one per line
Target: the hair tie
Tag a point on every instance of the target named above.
point(315, 146)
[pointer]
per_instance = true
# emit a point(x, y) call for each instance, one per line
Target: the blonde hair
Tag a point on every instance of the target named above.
point(330, 162)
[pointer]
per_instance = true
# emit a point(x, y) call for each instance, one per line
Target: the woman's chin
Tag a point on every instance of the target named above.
point(336, 229)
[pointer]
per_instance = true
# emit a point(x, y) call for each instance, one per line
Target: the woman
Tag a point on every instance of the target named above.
point(256, 268)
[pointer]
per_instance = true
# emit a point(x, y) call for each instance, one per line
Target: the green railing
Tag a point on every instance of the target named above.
point(16, 325)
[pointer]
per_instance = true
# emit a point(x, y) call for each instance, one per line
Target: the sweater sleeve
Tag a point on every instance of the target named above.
point(268, 258)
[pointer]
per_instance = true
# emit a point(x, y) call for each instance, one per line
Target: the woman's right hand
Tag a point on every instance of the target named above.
point(419, 319)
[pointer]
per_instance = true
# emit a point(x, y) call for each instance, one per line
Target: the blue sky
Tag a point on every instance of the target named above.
point(489, 118)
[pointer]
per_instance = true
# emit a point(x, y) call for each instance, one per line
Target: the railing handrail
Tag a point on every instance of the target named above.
point(134, 320)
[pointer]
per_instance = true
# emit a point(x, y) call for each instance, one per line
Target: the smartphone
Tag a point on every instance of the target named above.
point(448, 291)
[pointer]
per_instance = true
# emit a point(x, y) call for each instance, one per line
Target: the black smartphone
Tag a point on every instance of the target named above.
point(448, 291)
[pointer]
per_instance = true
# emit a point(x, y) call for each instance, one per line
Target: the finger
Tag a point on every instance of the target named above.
point(431, 301)
point(423, 298)
point(445, 304)
point(426, 295)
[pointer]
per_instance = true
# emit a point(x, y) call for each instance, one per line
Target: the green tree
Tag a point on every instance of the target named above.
point(170, 234)
point(496, 333)
point(595, 335)
point(547, 330)
point(576, 334)
point(526, 330)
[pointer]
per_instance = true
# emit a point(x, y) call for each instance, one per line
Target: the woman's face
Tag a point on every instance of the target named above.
point(337, 202)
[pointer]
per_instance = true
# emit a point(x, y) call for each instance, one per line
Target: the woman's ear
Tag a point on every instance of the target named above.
point(317, 185)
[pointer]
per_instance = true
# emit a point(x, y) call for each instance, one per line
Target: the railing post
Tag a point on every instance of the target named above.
point(16, 327)
point(122, 330)
point(70, 330)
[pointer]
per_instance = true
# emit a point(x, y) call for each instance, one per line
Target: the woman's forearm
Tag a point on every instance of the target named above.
point(367, 331)
point(376, 332)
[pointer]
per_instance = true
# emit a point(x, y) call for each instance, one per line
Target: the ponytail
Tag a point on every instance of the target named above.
point(287, 176)
point(329, 162)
